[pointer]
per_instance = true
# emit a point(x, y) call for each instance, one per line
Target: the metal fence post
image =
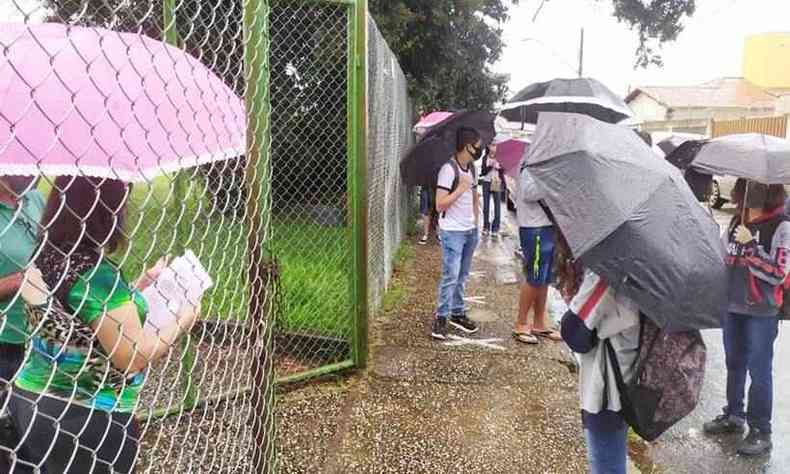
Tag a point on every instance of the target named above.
point(257, 99)
point(188, 357)
point(357, 174)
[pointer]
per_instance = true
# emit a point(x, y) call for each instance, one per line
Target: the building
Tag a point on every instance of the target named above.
point(763, 91)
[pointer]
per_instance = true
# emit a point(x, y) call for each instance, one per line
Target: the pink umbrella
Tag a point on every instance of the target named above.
point(509, 152)
point(91, 101)
point(431, 120)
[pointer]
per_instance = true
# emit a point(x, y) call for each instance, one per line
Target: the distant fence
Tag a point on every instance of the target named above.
point(390, 118)
point(775, 126)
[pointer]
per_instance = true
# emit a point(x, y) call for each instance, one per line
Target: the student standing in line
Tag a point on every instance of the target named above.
point(597, 312)
point(757, 260)
point(458, 204)
point(492, 179)
point(537, 236)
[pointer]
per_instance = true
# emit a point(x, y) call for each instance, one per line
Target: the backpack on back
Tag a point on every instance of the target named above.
point(670, 369)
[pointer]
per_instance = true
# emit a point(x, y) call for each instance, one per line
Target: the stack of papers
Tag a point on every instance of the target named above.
point(182, 283)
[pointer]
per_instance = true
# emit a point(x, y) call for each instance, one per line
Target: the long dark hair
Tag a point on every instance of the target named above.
point(775, 195)
point(570, 271)
point(87, 213)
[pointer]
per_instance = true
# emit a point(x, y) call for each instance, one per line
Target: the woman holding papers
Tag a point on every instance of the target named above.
point(74, 400)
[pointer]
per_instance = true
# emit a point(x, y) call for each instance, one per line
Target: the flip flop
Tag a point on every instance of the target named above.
point(525, 338)
point(549, 334)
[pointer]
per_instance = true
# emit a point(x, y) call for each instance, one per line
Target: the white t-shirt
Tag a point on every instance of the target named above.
point(460, 216)
point(529, 213)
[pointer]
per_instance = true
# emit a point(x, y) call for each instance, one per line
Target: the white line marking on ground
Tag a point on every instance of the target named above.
point(464, 341)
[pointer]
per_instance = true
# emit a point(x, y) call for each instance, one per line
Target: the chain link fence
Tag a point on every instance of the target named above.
point(190, 179)
point(137, 139)
point(390, 202)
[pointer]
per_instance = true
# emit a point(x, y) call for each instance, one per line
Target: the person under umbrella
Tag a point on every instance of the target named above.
point(458, 202)
point(757, 260)
point(629, 216)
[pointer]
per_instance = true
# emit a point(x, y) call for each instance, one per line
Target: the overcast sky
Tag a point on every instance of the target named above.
point(711, 45)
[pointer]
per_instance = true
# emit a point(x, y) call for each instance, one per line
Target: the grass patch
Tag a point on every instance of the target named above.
point(314, 260)
point(314, 277)
point(397, 293)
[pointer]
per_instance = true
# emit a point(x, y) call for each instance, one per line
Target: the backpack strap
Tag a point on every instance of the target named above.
point(456, 175)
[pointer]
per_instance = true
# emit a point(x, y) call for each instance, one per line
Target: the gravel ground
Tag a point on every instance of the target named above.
point(424, 407)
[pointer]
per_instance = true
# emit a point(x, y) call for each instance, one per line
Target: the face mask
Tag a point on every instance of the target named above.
point(476, 152)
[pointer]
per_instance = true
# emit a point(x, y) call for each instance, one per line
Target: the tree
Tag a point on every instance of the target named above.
point(656, 22)
point(447, 47)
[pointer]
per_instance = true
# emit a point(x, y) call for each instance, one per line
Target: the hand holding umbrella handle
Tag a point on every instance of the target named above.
point(743, 235)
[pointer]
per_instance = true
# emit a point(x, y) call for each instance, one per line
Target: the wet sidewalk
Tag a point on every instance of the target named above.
point(483, 404)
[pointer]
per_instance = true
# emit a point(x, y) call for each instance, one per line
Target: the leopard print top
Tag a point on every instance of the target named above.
point(56, 324)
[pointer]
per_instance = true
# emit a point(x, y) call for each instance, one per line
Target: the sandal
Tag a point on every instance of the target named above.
point(525, 338)
point(550, 334)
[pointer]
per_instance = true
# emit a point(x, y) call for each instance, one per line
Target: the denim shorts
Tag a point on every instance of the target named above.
point(537, 246)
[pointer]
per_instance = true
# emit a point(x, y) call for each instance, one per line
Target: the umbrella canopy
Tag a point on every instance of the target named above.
point(421, 164)
point(91, 101)
point(581, 96)
point(670, 143)
point(509, 152)
point(753, 156)
point(431, 120)
point(631, 218)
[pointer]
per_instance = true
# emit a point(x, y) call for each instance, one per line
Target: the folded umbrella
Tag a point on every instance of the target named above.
point(421, 164)
point(630, 217)
point(76, 100)
point(753, 156)
point(581, 96)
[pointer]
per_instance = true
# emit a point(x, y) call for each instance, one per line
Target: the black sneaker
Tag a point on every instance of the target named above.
point(461, 322)
point(757, 442)
point(439, 330)
point(724, 424)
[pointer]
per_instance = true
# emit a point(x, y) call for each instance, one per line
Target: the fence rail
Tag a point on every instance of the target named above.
point(775, 126)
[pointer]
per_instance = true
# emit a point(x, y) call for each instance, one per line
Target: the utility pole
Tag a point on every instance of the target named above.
point(581, 54)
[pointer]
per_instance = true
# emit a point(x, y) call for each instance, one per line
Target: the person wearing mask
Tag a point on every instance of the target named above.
point(598, 312)
point(492, 179)
point(74, 399)
point(21, 206)
point(458, 205)
point(757, 242)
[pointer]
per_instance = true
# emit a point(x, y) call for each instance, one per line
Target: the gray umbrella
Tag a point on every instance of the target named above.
point(760, 158)
point(630, 217)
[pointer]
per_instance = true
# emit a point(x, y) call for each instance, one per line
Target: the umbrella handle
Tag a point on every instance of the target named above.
point(743, 205)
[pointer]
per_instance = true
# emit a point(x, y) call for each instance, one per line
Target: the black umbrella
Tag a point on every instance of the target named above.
point(581, 96)
point(421, 164)
point(630, 217)
point(671, 143)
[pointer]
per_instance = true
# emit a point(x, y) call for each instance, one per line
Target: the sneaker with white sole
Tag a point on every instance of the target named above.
point(423, 240)
point(439, 329)
point(462, 323)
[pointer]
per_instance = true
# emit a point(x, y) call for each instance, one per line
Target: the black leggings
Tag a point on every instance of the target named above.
point(61, 437)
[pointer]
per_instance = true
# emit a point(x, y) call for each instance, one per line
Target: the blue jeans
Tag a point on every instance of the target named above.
point(487, 195)
point(458, 247)
point(749, 347)
point(607, 451)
